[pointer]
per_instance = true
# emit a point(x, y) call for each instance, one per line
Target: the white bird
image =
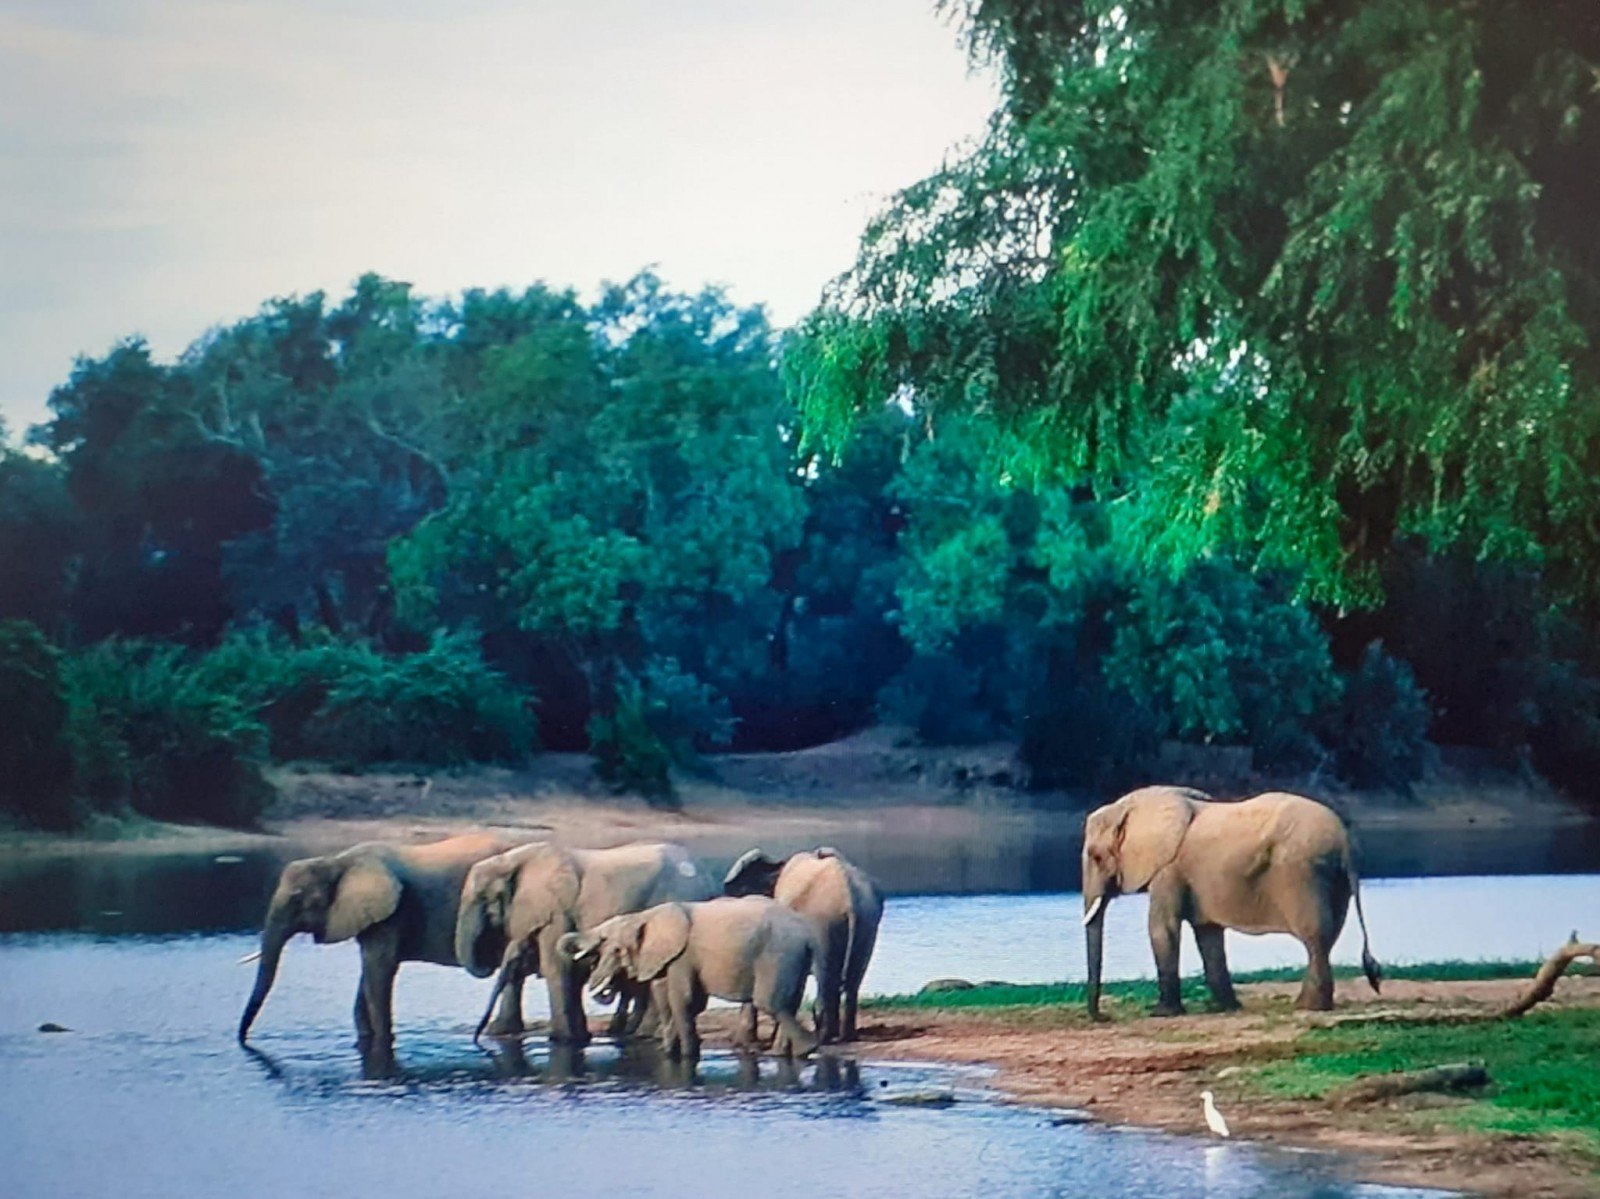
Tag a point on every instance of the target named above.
point(1214, 1120)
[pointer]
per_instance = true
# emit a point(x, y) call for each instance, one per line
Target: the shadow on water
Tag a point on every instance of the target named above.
point(1019, 853)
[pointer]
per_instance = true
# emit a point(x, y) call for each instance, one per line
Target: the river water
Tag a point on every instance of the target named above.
point(150, 1096)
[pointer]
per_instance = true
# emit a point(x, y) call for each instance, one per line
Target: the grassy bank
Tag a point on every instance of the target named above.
point(1283, 1068)
point(1545, 1069)
point(1128, 999)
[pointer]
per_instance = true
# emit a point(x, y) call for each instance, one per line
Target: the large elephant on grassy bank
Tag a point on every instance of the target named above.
point(515, 907)
point(1275, 863)
point(844, 904)
point(398, 901)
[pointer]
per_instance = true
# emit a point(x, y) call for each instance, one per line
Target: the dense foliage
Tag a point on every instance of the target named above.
point(1289, 279)
point(1239, 388)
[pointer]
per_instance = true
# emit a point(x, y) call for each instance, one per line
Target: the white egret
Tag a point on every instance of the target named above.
point(1214, 1120)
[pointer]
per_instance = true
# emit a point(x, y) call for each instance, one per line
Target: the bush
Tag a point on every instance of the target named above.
point(1564, 744)
point(444, 705)
point(35, 760)
point(1378, 731)
point(660, 719)
point(943, 698)
point(348, 702)
point(148, 731)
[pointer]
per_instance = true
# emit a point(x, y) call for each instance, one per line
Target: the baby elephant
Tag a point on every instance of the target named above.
point(751, 951)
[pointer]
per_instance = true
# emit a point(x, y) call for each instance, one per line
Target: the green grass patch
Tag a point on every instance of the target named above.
point(1143, 991)
point(1545, 1069)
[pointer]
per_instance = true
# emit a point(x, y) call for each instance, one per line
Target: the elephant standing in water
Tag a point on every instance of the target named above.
point(753, 951)
point(844, 904)
point(515, 907)
point(398, 901)
point(1275, 863)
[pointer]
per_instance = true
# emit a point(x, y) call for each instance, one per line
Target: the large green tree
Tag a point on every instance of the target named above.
point(1290, 279)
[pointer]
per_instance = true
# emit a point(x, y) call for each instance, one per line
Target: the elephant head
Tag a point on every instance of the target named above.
point(333, 898)
point(632, 948)
point(1124, 845)
point(753, 874)
point(510, 899)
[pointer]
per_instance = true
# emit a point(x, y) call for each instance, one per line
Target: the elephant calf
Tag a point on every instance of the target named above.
point(751, 950)
point(841, 901)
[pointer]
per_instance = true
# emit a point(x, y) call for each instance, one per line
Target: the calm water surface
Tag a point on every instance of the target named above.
point(149, 1095)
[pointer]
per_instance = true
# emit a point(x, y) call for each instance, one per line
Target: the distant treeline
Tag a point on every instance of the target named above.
point(400, 529)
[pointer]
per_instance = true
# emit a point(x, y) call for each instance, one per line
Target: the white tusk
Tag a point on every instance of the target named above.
point(252, 956)
point(1094, 910)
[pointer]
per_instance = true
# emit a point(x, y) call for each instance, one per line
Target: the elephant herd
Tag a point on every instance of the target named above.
point(642, 926)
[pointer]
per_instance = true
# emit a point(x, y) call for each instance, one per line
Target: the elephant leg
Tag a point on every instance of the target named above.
point(745, 1035)
point(791, 1040)
point(1213, 954)
point(1165, 940)
point(380, 958)
point(363, 1021)
point(852, 997)
point(1316, 989)
point(646, 1018)
point(661, 1002)
point(567, 1021)
point(617, 1026)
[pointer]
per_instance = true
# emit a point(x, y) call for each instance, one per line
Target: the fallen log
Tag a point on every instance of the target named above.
point(1544, 982)
point(1456, 1076)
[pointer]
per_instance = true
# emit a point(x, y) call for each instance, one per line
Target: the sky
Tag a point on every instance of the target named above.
point(167, 165)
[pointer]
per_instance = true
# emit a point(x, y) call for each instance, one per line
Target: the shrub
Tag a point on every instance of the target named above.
point(662, 718)
point(943, 698)
point(1378, 731)
point(149, 731)
point(1564, 744)
point(350, 703)
point(444, 705)
point(35, 762)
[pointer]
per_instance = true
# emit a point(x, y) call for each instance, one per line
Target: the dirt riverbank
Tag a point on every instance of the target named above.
point(898, 805)
point(1150, 1072)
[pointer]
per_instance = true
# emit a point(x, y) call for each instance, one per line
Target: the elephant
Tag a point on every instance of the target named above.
point(752, 950)
point(1274, 863)
point(846, 907)
point(398, 901)
point(516, 906)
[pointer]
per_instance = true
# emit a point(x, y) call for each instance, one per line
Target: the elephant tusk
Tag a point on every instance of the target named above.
point(252, 956)
point(1094, 910)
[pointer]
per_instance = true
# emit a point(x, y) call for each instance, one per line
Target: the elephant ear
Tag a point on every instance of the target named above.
point(367, 894)
point(1153, 825)
point(546, 886)
point(663, 936)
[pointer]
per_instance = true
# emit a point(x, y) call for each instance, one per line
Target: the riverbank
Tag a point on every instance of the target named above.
point(921, 818)
point(1277, 1073)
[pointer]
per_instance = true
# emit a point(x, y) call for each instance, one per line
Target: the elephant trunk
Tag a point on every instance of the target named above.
point(274, 936)
point(1094, 938)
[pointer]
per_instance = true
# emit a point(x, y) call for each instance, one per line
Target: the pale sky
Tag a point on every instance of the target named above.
point(166, 165)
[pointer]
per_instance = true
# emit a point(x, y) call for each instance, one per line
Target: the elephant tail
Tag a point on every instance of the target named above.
point(1369, 964)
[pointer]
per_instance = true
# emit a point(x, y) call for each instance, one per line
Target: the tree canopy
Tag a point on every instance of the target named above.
point(1286, 279)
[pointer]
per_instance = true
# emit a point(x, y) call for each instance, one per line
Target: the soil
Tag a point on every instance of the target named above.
point(1150, 1072)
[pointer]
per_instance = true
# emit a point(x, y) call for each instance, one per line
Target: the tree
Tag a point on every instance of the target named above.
point(1289, 279)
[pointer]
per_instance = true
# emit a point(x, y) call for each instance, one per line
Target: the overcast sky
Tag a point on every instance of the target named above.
point(166, 165)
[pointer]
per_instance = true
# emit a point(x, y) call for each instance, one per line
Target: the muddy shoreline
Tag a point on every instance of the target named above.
point(1149, 1073)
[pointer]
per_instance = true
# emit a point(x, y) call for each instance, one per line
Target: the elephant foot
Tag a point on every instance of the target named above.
point(575, 1039)
point(1224, 1005)
point(1313, 1003)
point(500, 1026)
point(1168, 1009)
